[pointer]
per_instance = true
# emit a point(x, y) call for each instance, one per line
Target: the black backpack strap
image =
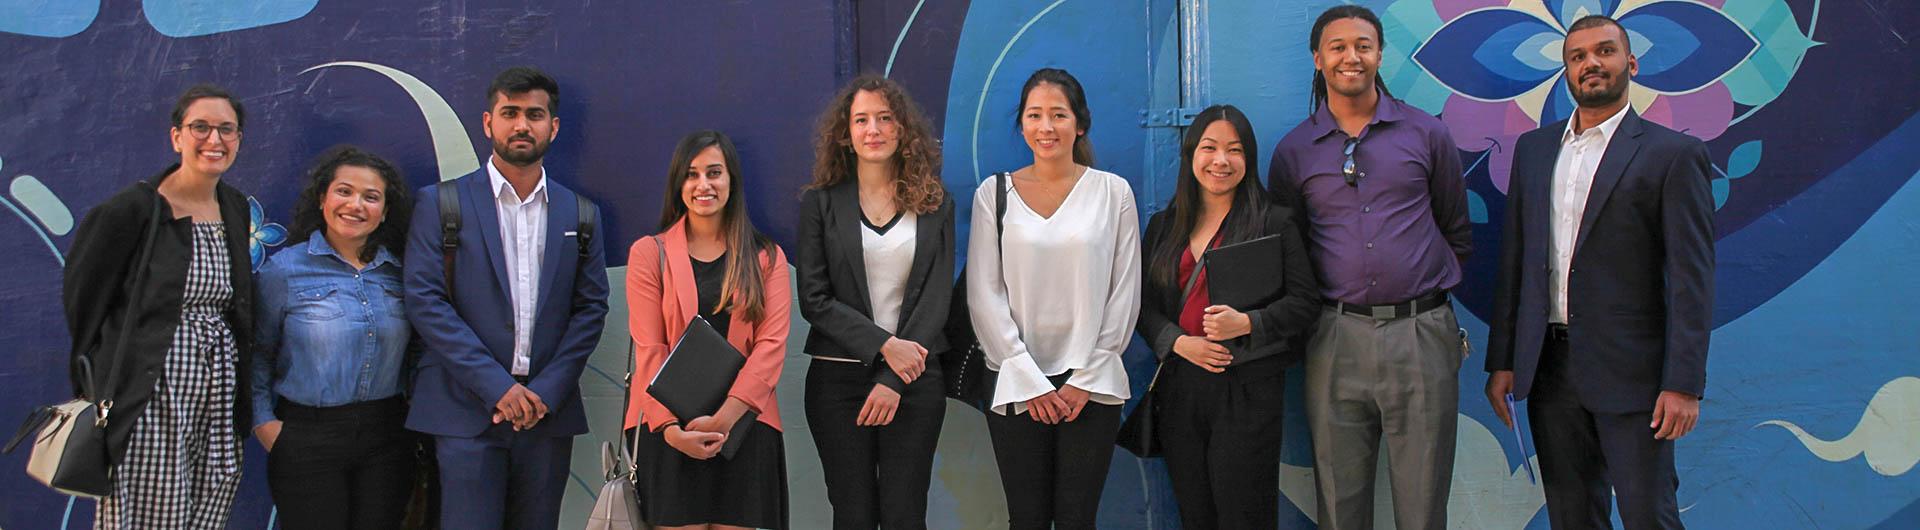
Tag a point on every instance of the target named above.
point(1000, 205)
point(585, 230)
point(449, 198)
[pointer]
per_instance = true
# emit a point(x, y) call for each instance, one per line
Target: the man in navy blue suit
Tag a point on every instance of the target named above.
point(509, 332)
point(1605, 295)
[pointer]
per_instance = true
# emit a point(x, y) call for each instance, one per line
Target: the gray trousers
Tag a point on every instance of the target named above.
point(1398, 379)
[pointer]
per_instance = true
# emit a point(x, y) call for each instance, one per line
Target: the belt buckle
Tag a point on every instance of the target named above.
point(1383, 312)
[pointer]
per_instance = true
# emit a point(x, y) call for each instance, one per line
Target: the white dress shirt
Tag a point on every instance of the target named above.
point(1061, 295)
point(1573, 170)
point(523, 238)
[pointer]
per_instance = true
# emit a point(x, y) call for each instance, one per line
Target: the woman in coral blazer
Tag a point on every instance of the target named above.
point(683, 480)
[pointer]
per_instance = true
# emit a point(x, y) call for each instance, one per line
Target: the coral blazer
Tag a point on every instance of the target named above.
point(659, 309)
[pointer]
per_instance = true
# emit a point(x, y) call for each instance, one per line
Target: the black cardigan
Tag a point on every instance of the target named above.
point(1277, 327)
point(94, 291)
point(832, 278)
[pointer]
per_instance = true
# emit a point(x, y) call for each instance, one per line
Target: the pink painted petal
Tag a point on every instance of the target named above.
point(1716, 4)
point(1703, 114)
point(1449, 9)
point(1487, 127)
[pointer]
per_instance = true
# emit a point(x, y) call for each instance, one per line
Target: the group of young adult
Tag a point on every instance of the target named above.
point(466, 311)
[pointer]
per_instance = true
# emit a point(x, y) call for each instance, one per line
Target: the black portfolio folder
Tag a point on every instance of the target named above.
point(1246, 275)
point(696, 376)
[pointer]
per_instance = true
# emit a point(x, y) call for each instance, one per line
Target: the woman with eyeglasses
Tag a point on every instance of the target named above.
point(1222, 377)
point(1053, 289)
point(332, 349)
point(185, 311)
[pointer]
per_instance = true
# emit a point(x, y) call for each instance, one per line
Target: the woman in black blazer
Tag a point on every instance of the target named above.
point(876, 280)
point(1220, 401)
point(179, 408)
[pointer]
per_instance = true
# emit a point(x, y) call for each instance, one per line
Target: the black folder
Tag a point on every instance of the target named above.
point(694, 380)
point(1246, 275)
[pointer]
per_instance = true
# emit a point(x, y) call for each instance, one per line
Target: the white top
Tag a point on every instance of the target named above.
point(523, 240)
point(1572, 179)
point(1062, 294)
point(889, 259)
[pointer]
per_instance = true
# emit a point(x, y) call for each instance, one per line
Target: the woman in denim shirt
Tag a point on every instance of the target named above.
point(332, 342)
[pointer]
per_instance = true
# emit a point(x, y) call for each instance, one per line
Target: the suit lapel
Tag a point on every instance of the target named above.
point(846, 200)
point(562, 217)
point(1539, 192)
point(480, 200)
point(925, 245)
point(1613, 165)
point(680, 271)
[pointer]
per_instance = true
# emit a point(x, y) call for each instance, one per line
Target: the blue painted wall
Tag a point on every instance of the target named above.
point(1813, 416)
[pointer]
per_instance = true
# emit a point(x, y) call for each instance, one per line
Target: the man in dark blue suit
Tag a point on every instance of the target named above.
point(1605, 296)
point(509, 332)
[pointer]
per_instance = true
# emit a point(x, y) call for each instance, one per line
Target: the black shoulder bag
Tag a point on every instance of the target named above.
point(964, 368)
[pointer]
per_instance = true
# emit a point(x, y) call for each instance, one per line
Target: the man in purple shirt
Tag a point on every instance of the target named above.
point(1385, 209)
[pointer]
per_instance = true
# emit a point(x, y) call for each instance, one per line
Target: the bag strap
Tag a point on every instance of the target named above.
point(585, 228)
point(103, 397)
point(633, 450)
point(1185, 292)
point(449, 199)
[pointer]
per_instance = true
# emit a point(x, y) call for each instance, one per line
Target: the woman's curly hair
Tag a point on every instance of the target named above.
point(392, 232)
point(916, 184)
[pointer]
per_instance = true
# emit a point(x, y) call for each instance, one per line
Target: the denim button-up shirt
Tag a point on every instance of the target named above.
point(327, 334)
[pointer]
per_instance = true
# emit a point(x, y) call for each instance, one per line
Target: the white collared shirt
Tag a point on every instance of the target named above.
point(1572, 180)
point(523, 240)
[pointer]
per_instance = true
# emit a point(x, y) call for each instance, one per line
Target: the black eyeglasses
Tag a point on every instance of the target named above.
point(1352, 173)
point(201, 130)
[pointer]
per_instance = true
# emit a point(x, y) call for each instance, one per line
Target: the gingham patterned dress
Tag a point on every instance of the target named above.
point(182, 466)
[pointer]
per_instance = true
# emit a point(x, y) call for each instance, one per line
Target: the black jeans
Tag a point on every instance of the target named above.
point(877, 477)
point(1222, 438)
point(1054, 474)
point(349, 466)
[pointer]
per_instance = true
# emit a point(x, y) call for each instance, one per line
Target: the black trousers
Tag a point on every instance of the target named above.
point(349, 466)
point(1590, 459)
point(877, 477)
point(1222, 438)
point(1054, 474)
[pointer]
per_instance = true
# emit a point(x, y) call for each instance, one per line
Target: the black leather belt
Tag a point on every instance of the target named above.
point(1392, 311)
point(1557, 332)
point(522, 379)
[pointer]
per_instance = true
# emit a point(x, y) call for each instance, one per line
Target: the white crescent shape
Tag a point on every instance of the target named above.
point(451, 148)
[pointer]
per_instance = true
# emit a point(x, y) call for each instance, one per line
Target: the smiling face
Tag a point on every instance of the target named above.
point(871, 128)
point(208, 136)
point(1219, 161)
point(1048, 123)
point(1347, 55)
point(521, 126)
point(1599, 65)
point(706, 188)
point(353, 205)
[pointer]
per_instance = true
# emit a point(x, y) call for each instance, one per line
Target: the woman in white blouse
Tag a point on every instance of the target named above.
point(1053, 294)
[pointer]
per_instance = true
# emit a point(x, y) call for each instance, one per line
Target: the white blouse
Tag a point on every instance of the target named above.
point(1060, 294)
point(889, 259)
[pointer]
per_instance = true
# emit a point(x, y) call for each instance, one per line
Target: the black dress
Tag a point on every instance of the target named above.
point(748, 490)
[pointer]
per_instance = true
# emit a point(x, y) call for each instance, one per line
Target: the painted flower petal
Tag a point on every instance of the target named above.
point(1683, 46)
point(1567, 11)
point(1782, 44)
point(1489, 128)
point(47, 19)
point(1559, 104)
point(270, 234)
point(1451, 9)
point(193, 18)
point(1703, 114)
point(1481, 55)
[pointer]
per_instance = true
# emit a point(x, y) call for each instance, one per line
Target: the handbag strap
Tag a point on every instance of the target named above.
point(633, 448)
point(1185, 292)
point(103, 398)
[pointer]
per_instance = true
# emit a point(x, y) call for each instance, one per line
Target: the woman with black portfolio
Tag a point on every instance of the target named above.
point(875, 266)
point(1219, 403)
point(709, 261)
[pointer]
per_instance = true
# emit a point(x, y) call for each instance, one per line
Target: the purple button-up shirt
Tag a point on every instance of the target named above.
point(1400, 233)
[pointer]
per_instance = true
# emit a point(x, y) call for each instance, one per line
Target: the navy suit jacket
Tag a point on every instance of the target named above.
point(469, 338)
point(1640, 288)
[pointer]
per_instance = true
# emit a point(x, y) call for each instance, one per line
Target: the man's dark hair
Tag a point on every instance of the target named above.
point(1313, 45)
point(1594, 21)
point(204, 91)
point(521, 80)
